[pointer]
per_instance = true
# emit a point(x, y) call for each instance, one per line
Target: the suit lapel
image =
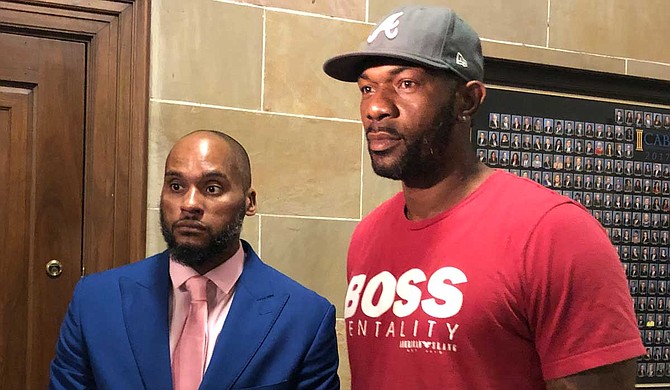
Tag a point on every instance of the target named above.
point(145, 312)
point(252, 314)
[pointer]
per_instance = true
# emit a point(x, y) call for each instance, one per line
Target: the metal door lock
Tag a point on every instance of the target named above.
point(54, 268)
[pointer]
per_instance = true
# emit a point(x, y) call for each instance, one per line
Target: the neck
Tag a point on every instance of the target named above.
point(460, 176)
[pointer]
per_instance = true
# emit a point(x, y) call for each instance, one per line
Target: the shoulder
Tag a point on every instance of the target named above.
point(101, 293)
point(140, 270)
point(523, 206)
point(520, 197)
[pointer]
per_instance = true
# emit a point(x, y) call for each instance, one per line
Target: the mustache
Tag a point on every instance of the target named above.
point(190, 222)
point(375, 128)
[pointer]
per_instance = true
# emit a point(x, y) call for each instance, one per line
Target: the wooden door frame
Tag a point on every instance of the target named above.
point(116, 34)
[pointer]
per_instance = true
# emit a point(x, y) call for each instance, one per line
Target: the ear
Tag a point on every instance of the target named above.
point(251, 202)
point(473, 94)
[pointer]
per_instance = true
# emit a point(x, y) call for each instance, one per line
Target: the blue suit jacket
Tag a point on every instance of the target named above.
point(278, 334)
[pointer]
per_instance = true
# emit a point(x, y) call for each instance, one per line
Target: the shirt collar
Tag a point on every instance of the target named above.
point(224, 276)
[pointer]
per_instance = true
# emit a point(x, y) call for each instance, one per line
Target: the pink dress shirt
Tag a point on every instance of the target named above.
point(220, 291)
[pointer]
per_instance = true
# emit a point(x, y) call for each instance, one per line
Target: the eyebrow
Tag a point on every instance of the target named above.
point(207, 175)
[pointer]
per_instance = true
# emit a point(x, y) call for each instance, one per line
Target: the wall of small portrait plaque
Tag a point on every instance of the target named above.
point(611, 156)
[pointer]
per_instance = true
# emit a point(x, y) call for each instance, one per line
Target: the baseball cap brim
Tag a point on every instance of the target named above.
point(348, 67)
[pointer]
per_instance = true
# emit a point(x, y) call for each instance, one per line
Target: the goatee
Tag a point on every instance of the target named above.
point(197, 255)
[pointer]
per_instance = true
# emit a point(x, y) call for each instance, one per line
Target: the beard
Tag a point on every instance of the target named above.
point(424, 153)
point(197, 255)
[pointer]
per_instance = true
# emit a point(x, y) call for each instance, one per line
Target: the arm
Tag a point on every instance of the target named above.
point(70, 369)
point(617, 376)
point(319, 368)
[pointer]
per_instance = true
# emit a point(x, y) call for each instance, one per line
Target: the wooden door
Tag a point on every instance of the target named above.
point(73, 116)
point(42, 114)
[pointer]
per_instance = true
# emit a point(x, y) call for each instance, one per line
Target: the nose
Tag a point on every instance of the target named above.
point(379, 105)
point(192, 202)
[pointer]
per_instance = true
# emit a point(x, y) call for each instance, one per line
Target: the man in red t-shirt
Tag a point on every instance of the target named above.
point(470, 278)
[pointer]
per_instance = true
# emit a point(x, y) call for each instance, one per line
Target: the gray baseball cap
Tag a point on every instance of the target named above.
point(434, 37)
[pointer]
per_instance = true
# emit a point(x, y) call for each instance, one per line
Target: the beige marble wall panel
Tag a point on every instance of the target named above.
point(207, 52)
point(311, 251)
point(348, 9)
point(250, 230)
point(300, 166)
point(622, 28)
point(554, 57)
point(649, 70)
point(522, 21)
point(155, 242)
point(158, 149)
point(344, 370)
point(376, 189)
point(295, 50)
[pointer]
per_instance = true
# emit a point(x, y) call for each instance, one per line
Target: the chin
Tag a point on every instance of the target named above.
point(386, 172)
point(195, 244)
point(384, 165)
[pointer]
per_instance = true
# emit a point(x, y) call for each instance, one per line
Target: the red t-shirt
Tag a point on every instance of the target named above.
point(513, 286)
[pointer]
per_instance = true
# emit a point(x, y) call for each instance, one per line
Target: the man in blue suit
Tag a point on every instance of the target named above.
point(263, 330)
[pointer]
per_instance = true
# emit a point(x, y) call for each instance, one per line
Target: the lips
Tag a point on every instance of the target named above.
point(189, 226)
point(379, 141)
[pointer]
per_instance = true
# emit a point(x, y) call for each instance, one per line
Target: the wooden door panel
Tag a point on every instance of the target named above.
point(45, 126)
point(58, 152)
point(14, 130)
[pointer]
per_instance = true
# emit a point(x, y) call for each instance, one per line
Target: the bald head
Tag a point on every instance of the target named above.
point(237, 155)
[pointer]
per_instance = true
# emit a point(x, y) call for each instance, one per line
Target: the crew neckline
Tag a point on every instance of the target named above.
point(424, 223)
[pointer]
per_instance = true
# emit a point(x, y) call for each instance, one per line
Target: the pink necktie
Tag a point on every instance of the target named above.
point(188, 363)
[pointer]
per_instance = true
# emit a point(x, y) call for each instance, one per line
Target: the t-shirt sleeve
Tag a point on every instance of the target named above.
point(579, 306)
